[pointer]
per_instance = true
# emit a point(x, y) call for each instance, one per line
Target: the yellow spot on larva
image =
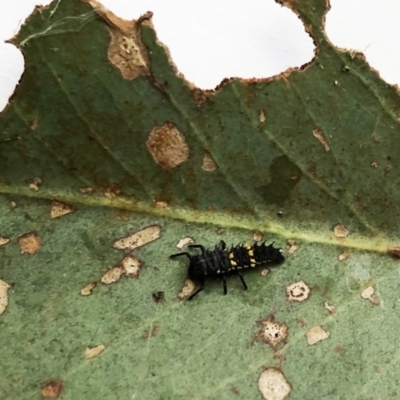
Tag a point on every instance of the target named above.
point(233, 263)
point(252, 262)
point(231, 256)
point(247, 246)
point(250, 253)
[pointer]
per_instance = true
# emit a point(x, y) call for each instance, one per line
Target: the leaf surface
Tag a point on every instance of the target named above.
point(101, 106)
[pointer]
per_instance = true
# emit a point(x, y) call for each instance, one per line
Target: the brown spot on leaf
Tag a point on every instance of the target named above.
point(160, 204)
point(29, 243)
point(344, 256)
point(319, 134)
point(126, 50)
point(265, 272)
point(58, 209)
point(316, 334)
point(150, 333)
point(235, 390)
point(188, 288)
point(301, 322)
point(4, 286)
point(87, 290)
point(112, 275)
point(330, 308)
point(257, 235)
point(86, 190)
point(52, 389)
point(338, 349)
point(298, 291)
point(4, 241)
point(200, 96)
point(394, 252)
point(272, 332)
point(293, 247)
point(340, 231)
point(112, 191)
point(35, 184)
point(139, 238)
point(183, 242)
point(369, 294)
point(34, 124)
point(262, 116)
point(273, 385)
point(209, 164)
point(92, 352)
point(167, 146)
point(129, 266)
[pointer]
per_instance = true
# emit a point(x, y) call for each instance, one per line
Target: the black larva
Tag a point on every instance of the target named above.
point(223, 261)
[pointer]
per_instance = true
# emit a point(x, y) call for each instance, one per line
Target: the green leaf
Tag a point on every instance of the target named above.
point(100, 106)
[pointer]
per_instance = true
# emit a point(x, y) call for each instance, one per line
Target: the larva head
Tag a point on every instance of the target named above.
point(268, 254)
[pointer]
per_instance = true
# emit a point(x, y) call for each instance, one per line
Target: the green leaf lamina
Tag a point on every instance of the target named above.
point(108, 126)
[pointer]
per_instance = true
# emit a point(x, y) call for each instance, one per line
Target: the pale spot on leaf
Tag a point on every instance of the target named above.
point(272, 332)
point(29, 243)
point(87, 290)
point(340, 231)
point(319, 134)
point(167, 146)
point(330, 308)
point(273, 385)
point(35, 184)
point(316, 334)
point(183, 242)
point(138, 239)
point(91, 352)
point(58, 209)
point(4, 241)
point(298, 291)
point(369, 294)
point(4, 286)
point(188, 288)
point(52, 389)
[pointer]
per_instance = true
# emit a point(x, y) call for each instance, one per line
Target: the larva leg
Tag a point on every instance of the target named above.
point(197, 246)
point(241, 278)
point(198, 290)
point(224, 284)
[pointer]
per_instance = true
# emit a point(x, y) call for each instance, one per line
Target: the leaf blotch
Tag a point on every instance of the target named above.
point(319, 134)
point(87, 290)
point(59, 209)
point(138, 239)
point(298, 291)
point(209, 164)
point(316, 334)
point(340, 231)
point(282, 171)
point(92, 352)
point(273, 385)
point(52, 389)
point(167, 146)
point(4, 241)
point(4, 286)
point(29, 243)
point(369, 294)
point(126, 50)
point(272, 332)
